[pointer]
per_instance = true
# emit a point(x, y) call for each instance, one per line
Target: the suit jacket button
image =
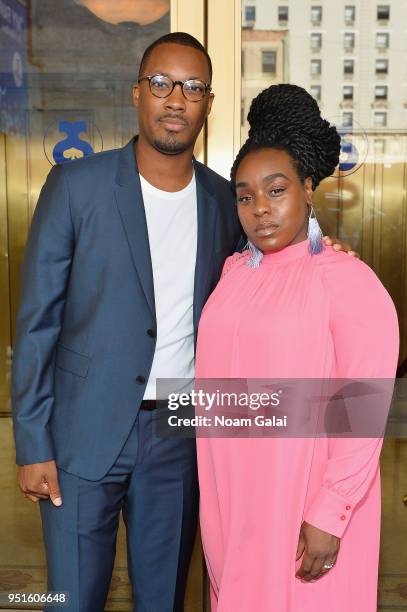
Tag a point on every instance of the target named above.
point(151, 333)
point(141, 380)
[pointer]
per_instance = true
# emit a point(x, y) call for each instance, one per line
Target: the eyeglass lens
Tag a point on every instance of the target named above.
point(161, 86)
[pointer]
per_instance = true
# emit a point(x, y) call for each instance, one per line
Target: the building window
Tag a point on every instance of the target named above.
point(380, 93)
point(348, 66)
point(316, 14)
point(379, 146)
point(316, 92)
point(347, 92)
point(347, 119)
point(269, 61)
point(382, 66)
point(316, 67)
point(380, 119)
point(283, 14)
point(349, 41)
point(316, 41)
point(350, 14)
point(250, 13)
point(382, 40)
point(383, 12)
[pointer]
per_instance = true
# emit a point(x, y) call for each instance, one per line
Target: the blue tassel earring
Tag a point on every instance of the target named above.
point(255, 255)
point(315, 235)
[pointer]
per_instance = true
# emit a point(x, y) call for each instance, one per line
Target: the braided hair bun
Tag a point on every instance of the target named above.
point(287, 117)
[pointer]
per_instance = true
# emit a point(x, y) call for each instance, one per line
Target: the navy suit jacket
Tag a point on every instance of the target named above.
point(87, 307)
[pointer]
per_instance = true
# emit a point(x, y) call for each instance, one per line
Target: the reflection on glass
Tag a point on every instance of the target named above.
point(65, 92)
point(351, 61)
point(66, 71)
point(316, 15)
point(350, 12)
point(142, 12)
point(352, 58)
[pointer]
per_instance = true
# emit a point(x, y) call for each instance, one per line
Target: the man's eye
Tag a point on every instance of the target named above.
point(160, 84)
point(195, 86)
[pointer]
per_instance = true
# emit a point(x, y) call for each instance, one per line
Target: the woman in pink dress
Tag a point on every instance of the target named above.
point(291, 524)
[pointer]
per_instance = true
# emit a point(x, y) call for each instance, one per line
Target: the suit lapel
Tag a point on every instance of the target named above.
point(130, 203)
point(207, 209)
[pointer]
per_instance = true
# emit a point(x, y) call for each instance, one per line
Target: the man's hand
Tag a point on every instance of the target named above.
point(319, 548)
point(338, 245)
point(40, 481)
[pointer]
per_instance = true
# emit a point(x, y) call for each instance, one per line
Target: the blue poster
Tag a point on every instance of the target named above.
point(13, 67)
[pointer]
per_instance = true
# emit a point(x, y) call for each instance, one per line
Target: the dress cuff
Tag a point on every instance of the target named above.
point(329, 512)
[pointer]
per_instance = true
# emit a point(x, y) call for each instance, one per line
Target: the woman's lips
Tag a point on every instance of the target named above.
point(266, 229)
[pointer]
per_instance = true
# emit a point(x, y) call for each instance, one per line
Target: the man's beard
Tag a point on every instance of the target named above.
point(170, 146)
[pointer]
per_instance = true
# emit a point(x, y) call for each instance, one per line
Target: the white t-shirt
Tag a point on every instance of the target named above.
point(172, 231)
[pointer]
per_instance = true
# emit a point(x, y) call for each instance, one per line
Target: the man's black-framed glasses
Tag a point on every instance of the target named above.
point(162, 86)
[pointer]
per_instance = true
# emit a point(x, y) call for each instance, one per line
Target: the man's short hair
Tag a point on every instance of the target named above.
point(178, 38)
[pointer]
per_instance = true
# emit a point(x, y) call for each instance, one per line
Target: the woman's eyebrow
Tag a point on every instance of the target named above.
point(266, 179)
point(270, 177)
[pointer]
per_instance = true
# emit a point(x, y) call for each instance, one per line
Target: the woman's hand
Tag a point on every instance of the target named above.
point(338, 245)
point(319, 548)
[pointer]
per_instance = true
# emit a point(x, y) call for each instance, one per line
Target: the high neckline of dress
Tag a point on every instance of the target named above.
point(288, 253)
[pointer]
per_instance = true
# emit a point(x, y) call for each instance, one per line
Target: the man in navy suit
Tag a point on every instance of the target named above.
point(125, 247)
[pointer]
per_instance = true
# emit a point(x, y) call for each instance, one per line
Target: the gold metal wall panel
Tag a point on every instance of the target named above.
point(390, 243)
point(368, 210)
point(5, 330)
point(18, 217)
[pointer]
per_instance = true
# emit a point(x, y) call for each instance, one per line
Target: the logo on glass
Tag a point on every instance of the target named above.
point(354, 147)
point(68, 140)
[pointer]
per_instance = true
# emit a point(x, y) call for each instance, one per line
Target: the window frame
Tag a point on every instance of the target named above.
point(272, 52)
point(386, 36)
point(316, 36)
point(351, 37)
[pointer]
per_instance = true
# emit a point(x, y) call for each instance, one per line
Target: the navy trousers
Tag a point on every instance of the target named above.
point(154, 483)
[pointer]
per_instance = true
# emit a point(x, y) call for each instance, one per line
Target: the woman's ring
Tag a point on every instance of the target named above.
point(328, 566)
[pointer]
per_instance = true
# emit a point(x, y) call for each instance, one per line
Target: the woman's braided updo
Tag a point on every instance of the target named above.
point(287, 117)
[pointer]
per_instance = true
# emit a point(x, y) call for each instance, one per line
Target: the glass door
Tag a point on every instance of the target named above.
point(349, 57)
point(66, 74)
point(352, 57)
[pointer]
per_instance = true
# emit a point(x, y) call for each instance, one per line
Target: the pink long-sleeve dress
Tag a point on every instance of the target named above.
point(295, 316)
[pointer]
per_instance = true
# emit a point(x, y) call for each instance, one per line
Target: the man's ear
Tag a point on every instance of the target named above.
point(136, 94)
point(210, 102)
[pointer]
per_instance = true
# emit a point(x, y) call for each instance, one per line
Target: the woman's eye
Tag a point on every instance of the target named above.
point(276, 190)
point(243, 199)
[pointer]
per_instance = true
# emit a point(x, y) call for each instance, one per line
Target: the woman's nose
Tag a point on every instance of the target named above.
point(261, 206)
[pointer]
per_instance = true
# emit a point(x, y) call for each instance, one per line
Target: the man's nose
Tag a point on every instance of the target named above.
point(176, 100)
